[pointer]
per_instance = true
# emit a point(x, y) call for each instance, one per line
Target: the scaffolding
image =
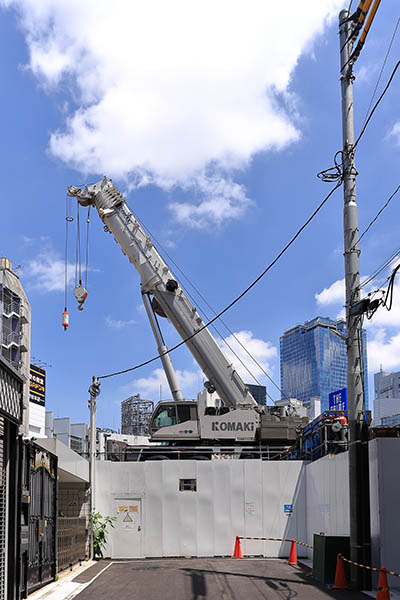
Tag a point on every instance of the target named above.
point(136, 415)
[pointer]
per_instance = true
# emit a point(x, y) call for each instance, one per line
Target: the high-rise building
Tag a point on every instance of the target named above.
point(314, 360)
point(259, 392)
point(387, 395)
point(136, 415)
point(15, 330)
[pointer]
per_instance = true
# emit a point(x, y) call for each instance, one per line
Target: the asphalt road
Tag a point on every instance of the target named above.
point(211, 579)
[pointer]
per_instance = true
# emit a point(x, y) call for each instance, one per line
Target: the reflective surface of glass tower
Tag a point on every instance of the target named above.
point(314, 361)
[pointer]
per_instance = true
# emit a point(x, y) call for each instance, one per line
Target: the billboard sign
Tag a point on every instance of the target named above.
point(37, 385)
point(338, 400)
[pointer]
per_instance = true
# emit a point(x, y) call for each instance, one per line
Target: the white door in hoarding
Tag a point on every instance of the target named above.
point(127, 532)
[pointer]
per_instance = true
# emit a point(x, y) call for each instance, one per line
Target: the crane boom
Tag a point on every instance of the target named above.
point(158, 281)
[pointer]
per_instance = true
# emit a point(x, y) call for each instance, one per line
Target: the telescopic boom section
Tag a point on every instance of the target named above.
point(157, 280)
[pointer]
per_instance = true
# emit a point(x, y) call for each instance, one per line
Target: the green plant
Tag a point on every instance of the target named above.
point(99, 526)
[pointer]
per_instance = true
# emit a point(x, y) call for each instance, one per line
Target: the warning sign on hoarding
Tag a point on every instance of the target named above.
point(288, 510)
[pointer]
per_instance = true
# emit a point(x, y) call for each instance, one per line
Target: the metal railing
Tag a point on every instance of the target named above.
point(11, 307)
point(10, 338)
point(153, 452)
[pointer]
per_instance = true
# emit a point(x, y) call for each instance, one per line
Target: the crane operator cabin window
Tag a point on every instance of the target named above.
point(166, 417)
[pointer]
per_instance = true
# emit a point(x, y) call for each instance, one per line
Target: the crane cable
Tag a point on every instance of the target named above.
point(207, 317)
point(78, 270)
point(87, 246)
point(68, 219)
point(239, 297)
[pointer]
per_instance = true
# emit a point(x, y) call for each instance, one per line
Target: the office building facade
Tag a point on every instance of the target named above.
point(259, 393)
point(386, 395)
point(73, 435)
point(313, 360)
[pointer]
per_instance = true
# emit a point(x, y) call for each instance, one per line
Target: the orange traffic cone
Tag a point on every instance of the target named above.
point(340, 576)
point(293, 554)
point(237, 552)
point(383, 586)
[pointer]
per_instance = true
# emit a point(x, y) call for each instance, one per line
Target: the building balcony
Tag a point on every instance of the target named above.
point(11, 308)
point(11, 339)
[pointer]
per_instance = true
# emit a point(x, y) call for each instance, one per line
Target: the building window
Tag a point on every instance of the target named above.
point(188, 485)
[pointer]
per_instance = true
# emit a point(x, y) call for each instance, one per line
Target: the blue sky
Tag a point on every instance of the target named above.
point(214, 121)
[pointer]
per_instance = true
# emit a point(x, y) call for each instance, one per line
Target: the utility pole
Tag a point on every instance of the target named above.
point(94, 391)
point(360, 538)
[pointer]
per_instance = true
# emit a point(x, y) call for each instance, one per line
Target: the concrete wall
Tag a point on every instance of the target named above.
point(235, 497)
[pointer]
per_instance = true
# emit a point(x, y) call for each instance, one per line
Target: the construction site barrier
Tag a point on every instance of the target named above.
point(383, 586)
point(340, 577)
point(352, 562)
point(271, 539)
point(237, 551)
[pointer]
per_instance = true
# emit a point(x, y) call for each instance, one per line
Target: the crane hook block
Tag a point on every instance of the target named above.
point(80, 294)
point(65, 320)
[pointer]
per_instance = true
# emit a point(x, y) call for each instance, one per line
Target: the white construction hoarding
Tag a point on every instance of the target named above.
point(197, 508)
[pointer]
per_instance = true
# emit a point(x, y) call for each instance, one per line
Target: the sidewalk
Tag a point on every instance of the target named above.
point(71, 583)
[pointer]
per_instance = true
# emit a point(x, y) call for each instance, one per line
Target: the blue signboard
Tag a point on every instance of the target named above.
point(288, 509)
point(338, 400)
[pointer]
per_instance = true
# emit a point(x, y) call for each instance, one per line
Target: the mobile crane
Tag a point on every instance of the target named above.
point(235, 417)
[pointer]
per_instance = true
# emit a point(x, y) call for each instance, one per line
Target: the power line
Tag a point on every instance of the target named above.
point(268, 268)
point(379, 270)
point(380, 211)
point(153, 237)
point(376, 104)
point(382, 69)
point(223, 322)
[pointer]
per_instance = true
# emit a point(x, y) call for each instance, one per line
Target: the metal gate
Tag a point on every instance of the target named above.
point(40, 517)
point(3, 514)
point(71, 541)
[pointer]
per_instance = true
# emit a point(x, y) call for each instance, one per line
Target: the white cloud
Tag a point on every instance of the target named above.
point(383, 350)
point(384, 317)
point(333, 294)
point(150, 386)
point(366, 73)
point(395, 133)
point(190, 382)
point(223, 200)
point(264, 352)
point(172, 93)
point(46, 273)
point(383, 328)
point(119, 323)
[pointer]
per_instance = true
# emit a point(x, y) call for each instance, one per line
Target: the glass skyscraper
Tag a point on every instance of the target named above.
point(314, 360)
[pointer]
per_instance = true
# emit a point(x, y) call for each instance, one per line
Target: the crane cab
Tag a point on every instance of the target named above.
point(175, 421)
